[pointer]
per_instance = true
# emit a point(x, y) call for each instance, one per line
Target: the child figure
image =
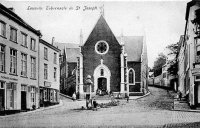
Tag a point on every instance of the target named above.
point(95, 104)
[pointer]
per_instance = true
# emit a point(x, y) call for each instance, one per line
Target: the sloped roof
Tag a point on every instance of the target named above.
point(61, 46)
point(10, 14)
point(72, 54)
point(100, 24)
point(133, 47)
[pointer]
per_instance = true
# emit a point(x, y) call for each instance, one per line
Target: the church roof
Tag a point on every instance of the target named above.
point(133, 47)
point(99, 24)
point(72, 54)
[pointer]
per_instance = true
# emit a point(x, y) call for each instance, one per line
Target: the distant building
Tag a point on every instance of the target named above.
point(68, 69)
point(49, 73)
point(19, 62)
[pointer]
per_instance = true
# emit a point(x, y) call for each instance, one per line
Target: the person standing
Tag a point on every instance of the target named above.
point(74, 96)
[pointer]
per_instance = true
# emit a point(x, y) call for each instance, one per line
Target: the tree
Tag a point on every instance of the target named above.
point(160, 61)
point(173, 51)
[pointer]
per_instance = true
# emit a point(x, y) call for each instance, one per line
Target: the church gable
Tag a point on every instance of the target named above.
point(102, 45)
point(101, 31)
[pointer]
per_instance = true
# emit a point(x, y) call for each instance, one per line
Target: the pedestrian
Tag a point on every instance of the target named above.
point(95, 105)
point(74, 96)
point(179, 95)
point(127, 98)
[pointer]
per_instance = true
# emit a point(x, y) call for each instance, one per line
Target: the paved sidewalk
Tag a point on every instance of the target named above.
point(181, 105)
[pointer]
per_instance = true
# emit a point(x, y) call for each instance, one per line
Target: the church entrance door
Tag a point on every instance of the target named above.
point(102, 84)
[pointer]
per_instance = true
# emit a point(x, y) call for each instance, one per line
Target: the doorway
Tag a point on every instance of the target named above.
point(102, 84)
point(23, 100)
point(2, 99)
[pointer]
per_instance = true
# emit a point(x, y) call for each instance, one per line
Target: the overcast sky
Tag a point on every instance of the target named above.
point(161, 22)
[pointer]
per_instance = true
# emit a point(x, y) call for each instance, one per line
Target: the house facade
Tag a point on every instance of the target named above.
point(19, 61)
point(49, 72)
point(189, 54)
point(115, 64)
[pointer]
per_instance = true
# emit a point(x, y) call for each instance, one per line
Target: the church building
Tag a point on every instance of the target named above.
point(115, 64)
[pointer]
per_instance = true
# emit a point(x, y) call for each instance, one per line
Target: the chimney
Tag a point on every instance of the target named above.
point(12, 9)
point(53, 38)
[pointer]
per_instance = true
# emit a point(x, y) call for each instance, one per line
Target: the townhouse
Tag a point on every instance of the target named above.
point(49, 72)
point(19, 44)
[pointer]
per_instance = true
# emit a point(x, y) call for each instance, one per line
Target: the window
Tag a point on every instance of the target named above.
point(13, 34)
point(198, 50)
point(2, 84)
point(45, 71)
point(2, 58)
point(55, 58)
point(32, 95)
point(102, 72)
point(55, 70)
point(23, 87)
point(33, 67)
point(24, 40)
point(11, 87)
point(164, 75)
point(2, 29)
point(131, 76)
point(13, 61)
point(101, 47)
point(51, 96)
point(45, 53)
point(24, 64)
point(45, 95)
point(33, 43)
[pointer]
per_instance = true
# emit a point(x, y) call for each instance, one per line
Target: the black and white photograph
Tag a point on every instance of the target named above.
point(100, 64)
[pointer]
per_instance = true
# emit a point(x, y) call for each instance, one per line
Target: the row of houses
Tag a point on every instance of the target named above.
point(188, 57)
point(29, 66)
point(115, 65)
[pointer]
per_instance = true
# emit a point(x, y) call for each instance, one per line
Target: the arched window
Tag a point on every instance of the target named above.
point(102, 72)
point(131, 76)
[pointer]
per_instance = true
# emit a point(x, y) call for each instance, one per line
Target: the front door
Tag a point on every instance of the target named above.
point(1, 99)
point(102, 84)
point(23, 100)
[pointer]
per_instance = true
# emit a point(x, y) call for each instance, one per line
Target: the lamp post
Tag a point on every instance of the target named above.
point(89, 83)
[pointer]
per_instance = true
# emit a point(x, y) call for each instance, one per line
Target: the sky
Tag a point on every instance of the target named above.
point(161, 22)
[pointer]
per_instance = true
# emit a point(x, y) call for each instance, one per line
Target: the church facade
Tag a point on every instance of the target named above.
point(115, 64)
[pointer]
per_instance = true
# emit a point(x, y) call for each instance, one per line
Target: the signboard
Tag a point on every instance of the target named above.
point(47, 84)
point(9, 78)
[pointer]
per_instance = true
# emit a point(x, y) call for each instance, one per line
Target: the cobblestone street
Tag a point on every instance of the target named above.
point(153, 110)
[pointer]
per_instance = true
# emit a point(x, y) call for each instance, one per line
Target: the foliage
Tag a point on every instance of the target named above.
point(173, 48)
point(160, 61)
point(173, 67)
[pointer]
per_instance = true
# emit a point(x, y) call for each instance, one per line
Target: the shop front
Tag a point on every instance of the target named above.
point(48, 96)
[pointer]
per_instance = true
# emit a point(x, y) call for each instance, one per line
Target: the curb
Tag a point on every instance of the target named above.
point(198, 111)
point(37, 110)
point(142, 96)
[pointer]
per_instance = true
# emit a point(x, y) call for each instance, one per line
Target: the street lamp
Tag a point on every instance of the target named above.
point(88, 84)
